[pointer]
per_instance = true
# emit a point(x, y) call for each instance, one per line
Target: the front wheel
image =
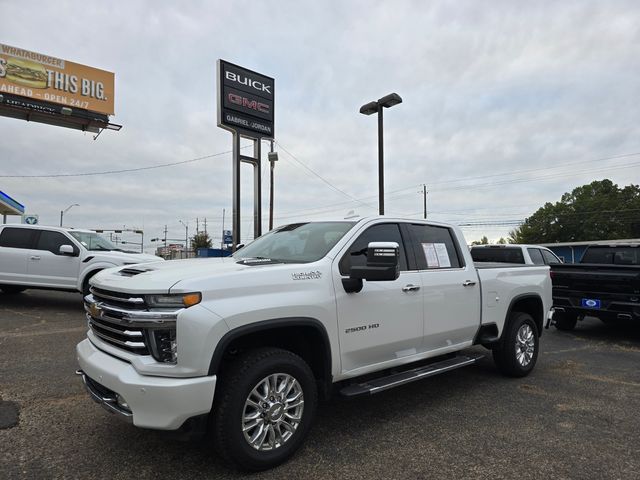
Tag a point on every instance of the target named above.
point(517, 352)
point(263, 409)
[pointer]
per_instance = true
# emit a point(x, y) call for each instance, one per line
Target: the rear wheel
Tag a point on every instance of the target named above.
point(517, 352)
point(11, 289)
point(565, 321)
point(263, 409)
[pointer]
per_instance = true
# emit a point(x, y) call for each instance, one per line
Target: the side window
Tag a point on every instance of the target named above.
point(357, 253)
point(52, 241)
point(536, 256)
point(435, 247)
point(17, 237)
point(549, 258)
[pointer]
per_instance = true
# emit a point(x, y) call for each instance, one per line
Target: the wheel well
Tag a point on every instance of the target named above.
point(532, 306)
point(88, 276)
point(309, 342)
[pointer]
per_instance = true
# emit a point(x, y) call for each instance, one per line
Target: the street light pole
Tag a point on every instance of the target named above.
point(369, 109)
point(62, 212)
point(380, 163)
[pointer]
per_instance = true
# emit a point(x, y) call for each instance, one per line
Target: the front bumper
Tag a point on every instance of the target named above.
point(151, 402)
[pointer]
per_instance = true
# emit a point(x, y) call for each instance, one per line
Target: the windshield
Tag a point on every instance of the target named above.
point(93, 241)
point(296, 243)
point(612, 255)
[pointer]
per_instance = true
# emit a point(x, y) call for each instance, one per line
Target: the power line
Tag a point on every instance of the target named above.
point(321, 177)
point(125, 170)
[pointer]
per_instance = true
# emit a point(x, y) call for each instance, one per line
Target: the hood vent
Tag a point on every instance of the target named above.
point(130, 272)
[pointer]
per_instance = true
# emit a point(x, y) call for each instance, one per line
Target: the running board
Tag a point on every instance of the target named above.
point(395, 380)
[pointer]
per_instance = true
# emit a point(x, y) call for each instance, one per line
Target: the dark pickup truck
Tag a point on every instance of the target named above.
point(605, 284)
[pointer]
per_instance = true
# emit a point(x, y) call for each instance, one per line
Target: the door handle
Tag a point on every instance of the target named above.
point(411, 288)
point(34, 257)
point(468, 283)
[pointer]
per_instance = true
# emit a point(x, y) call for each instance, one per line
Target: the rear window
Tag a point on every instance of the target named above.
point(17, 237)
point(611, 255)
point(500, 254)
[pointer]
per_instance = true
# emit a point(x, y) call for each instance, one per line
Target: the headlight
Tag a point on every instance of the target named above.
point(174, 301)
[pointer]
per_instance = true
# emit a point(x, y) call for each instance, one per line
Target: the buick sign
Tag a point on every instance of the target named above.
point(245, 101)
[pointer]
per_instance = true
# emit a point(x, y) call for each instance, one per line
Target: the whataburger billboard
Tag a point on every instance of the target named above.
point(49, 79)
point(245, 100)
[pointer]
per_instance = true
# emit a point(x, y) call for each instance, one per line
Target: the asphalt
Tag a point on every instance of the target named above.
point(575, 417)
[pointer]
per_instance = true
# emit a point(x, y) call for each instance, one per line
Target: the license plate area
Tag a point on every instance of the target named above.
point(593, 303)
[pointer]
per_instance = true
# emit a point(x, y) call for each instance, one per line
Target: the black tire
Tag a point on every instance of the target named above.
point(12, 289)
point(236, 383)
point(508, 355)
point(565, 321)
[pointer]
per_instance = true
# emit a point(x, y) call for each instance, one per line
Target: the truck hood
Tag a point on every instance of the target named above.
point(160, 277)
point(122, 258)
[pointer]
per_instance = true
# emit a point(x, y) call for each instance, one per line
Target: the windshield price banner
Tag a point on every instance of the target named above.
point(245, 101)
point(49, 79)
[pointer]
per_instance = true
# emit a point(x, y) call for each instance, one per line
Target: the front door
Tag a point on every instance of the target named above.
point(47, 267)
point(382, 322)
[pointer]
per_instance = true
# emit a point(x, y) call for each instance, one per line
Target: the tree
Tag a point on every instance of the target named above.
point(502, 241)
point(483, 241)
point(599, 210)
point(200, 240)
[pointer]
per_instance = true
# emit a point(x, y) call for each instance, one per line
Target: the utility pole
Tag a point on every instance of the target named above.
point(424, 199)
point(222, 242)
point(165, 239)
point(205, 225)
point(197, 225)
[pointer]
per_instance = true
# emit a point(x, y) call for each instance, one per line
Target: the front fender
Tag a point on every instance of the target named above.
point(91, 269)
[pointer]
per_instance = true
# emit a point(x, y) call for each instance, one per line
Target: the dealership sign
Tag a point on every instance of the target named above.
point(245, 101)
point(48, 79)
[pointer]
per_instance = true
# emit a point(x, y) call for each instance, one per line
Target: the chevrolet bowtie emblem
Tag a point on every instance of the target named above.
point(96, 311)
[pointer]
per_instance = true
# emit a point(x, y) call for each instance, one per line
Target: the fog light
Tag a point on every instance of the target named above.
point(122, 402)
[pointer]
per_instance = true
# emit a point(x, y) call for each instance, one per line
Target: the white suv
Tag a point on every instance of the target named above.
point(56, 258)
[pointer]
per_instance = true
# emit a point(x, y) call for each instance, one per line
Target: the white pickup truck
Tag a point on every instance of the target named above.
point(56, 258)
point(247, 344)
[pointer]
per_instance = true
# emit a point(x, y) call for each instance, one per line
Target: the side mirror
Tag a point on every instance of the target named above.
point(67, 250)
point(382, 266)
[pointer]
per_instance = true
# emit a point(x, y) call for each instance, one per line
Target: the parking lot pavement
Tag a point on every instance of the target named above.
point(576, 416)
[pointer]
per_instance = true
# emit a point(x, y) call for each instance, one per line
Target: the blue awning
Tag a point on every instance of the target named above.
point(8, 206)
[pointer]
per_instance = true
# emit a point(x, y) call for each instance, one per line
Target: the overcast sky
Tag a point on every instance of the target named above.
point(506, 106)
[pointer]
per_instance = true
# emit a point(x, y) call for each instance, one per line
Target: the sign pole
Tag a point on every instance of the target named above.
point(235, 224)
point(257, 189)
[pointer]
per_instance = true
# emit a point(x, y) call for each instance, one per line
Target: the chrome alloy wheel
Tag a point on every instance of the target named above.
point(525, 345)
point(272, 411)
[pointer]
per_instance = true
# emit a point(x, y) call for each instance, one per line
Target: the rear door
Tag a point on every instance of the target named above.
point(15, 243)
point(47, 267)
point(450, 288)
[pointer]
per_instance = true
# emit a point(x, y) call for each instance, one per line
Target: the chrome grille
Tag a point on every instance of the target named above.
point(125, 322)
point(122, 336)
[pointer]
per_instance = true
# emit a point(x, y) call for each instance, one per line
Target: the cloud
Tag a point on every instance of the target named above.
point(488, 89)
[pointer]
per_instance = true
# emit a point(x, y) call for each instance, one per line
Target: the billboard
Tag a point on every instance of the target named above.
point(48, 79)
point(245, 101)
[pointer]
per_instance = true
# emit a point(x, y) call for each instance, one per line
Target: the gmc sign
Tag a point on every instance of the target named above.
point(245, 101)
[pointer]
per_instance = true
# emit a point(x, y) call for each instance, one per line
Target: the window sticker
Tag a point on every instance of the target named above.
point(443, 255)
point(430, 255)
